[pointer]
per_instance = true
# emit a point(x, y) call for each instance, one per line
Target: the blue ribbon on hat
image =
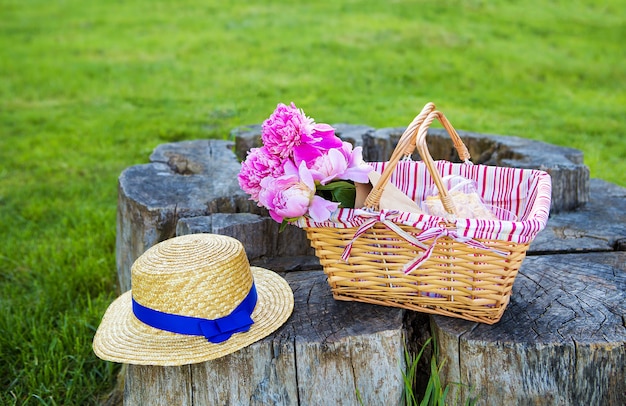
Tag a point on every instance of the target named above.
point(214, 330)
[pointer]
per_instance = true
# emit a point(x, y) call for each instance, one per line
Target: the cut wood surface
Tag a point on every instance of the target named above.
point(600, 225)
point(328, 353)
point(561, 341)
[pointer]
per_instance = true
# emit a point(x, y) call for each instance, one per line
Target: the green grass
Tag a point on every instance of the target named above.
point(90, 88)
point(434, 392)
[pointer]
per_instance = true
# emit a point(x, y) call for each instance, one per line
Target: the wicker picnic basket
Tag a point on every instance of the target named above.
point(450, 266)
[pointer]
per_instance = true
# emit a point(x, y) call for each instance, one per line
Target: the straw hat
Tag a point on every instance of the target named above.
point(202, 286)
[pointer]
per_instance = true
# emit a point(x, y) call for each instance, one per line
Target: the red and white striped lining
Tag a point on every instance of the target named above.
point(524, 192)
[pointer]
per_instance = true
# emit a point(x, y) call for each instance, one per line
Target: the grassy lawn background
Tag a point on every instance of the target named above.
point(90, 88)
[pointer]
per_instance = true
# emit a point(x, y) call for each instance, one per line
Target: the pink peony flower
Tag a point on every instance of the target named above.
point(259, 164)
point(329, 166)
point(357, 169)
point(341, 163)
point(288, 132)
point(293, 195)
point(297, 166)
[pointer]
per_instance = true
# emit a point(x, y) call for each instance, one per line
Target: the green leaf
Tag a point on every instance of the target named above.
point(335, 184)
point(345, 197)
point(283, 225)
point(342, 192)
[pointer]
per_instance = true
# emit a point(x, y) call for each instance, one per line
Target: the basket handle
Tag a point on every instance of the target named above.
point(405, 147)
point(422, 149)
point(408, 142)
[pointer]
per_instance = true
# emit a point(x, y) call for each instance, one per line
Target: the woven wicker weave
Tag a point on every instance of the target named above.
point(457, 279)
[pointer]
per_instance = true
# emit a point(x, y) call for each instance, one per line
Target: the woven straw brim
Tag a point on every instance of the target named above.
point(122, 338)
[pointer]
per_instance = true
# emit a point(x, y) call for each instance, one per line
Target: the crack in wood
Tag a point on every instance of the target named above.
point(355, 388)
point(296, 367)
point(587, 305)
point(566, 233)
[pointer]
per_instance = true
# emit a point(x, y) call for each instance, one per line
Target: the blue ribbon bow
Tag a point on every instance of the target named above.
point(214, 330)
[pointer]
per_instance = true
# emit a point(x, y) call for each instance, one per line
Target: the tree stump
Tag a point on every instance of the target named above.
point(561, 341)
point(328, 353)
point(549, 337)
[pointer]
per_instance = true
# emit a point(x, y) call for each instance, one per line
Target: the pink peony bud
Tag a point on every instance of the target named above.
point(341, 163)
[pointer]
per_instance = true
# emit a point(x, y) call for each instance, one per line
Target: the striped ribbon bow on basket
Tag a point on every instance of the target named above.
point(452, 266)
